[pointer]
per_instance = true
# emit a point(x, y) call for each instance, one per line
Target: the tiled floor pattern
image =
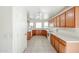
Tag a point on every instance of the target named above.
point(39, 44)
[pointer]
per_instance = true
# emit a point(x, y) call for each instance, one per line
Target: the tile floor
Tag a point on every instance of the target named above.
point(39, 44)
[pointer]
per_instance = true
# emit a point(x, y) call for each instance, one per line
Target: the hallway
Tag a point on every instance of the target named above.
point(39, 44)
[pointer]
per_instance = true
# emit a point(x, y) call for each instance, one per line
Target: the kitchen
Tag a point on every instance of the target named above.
point(39, 29)
point(61, 28)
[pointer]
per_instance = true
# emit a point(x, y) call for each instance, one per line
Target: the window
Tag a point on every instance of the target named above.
point(45, 24)
point(31, 25)
point(38, 25)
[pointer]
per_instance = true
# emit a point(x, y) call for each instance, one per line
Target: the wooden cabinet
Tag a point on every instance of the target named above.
point(77, 16)
point(70, 18)
point(54, 22)
point(44, 33)
point(39, 33)
point(29, 35)
point(52, 40)
point(62, 20)
point(58, 21)
point(61, 48)
point(58, 43)
point(33, 32)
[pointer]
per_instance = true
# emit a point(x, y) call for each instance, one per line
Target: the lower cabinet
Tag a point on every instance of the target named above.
point(52, 40)
point(61, 48)
point(57, 43)
point(44, 33)
point(39, 33)
point(33, 32)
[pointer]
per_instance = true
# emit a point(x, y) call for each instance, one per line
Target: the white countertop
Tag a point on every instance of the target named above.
point(66, 38)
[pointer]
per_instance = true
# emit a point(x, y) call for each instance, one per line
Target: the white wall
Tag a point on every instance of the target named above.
point(5, 29)
point(19, 29)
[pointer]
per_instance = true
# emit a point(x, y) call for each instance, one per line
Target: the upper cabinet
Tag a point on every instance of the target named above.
point(70, 18)
point(62, 20)
point(55, 22)
point(58, 21)
point(77, 17)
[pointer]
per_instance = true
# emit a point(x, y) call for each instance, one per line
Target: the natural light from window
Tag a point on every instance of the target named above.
point(31, 24)
point(38, 25)
point(45, 24)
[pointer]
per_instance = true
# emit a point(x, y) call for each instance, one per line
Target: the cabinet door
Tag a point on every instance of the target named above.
point(51, 40)
point(70, 18)
point(61, 48)
point(45, 33)
point(62, 20)
point(37, 32)
point(33, 32)
point(56, 43)
point(58, 21)
point(77, 16)
point(54, 22)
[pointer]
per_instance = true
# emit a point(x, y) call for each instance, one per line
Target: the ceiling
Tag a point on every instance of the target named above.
point(43, 12)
